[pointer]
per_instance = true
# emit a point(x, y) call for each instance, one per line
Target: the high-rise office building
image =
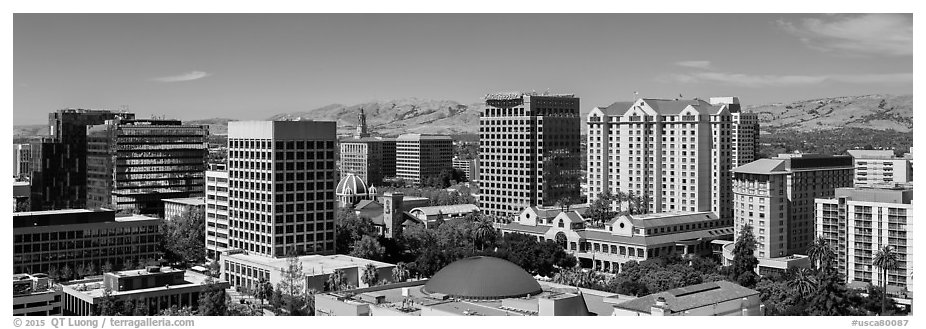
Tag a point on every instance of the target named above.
point(216, 211)
point(370, 158)
point(776, 197)
point(22, 161)
point(676, 154)
point(880, 168)
point(419, 157)
point(59, 162)
point(857, 222)
point(528, 151)
point(132, 165)
point(281, 178)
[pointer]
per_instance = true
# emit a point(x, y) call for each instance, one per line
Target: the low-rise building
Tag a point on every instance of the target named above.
point(475, 286)
point(178, 206)
point(35, 295)
point(720, 298)
point(243, 270)
point(216, 211)
point(157, 287)
point(626, 237)
point(432, 214)
point(55, 239)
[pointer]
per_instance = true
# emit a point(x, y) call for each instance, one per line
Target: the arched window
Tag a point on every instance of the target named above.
point(561, 239)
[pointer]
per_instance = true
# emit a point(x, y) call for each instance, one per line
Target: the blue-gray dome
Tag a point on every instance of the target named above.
point(483, 277)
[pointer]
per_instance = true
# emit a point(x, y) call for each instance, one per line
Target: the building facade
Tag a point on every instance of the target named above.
point(158, 288)
point(419, 157)
point(133, 165)
point(880, 167)
point(719, 298)
point(675, 154)
point(776, 197)
point(857, 222)
point(467, 166)
point(59, 162)
point(216, 211)
point(174, 208)
point(35, 295)
point(366, 158)
point(281, 177)
point(626, 237)
point(246, 271)
point(528, 151)
point(22, 161)
point(49, 240)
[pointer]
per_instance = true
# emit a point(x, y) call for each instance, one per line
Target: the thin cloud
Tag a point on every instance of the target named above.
point(695, 64)
point(771, 80)
point(869, 34)
point(194, 75)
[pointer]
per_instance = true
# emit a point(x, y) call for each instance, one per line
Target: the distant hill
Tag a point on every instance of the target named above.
point(395, 117)
point(414, 115)
point(878, 112)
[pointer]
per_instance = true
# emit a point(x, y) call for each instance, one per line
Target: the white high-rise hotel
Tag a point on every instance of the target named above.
point(676, 153)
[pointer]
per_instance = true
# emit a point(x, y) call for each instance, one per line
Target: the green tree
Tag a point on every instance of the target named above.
point(820, 253)
point(264, 290)
point(128, 264)
point(370, 275)
point(141, 308)
point(368, 248)
point(744, 259)
point(67, 273)
point(351, 228)
point(599, 211)
point(803, 282)
point(107, 305)
point(107, 267)
point(183, 237)
point(238, 309)
point(483, 230)
point(886, 260)
point(277, 299)
point(292, 277)
point(212, 299)
point(337, 280)
point(400, 272)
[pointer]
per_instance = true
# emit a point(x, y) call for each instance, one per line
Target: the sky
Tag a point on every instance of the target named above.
point(252, 66)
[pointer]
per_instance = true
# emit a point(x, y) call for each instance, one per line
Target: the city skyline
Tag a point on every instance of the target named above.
point(251, 66)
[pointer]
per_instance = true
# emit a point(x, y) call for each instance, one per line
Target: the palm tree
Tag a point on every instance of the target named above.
point(370, 275)
point(803, 281)
point(484, 231)
point(885, 259)
point(400, 272)
point(337, 280)
point(820, 253)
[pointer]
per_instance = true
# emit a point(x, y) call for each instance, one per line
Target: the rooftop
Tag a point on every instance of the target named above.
point(690, 297)
point(94, 287)
point(135, 217)
point(670, 218)
point(763, 167)
point(311, 264)
point(873, 154)
point(197, 201)
point(405, 137)
point(449, 209)
point(504, 96)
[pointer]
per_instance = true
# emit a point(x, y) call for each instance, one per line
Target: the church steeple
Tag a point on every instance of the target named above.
point(361, 125)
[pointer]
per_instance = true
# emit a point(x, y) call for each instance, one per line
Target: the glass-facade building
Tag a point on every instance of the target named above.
point(134, 164)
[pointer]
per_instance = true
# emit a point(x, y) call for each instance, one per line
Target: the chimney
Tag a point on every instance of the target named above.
point(661, 308)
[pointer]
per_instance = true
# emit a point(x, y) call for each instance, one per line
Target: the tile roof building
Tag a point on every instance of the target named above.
point(626, 237)
point(719, 298)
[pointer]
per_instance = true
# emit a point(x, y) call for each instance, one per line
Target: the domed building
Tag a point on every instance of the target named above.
point(351, 189)
point(483, 278)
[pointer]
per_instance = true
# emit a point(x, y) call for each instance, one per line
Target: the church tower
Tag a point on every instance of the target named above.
point(361, 125)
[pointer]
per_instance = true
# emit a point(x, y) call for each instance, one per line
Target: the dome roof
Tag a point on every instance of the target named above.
point(351, 185)
point(483, 278)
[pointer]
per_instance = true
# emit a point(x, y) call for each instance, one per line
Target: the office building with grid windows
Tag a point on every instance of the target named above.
point(216, 211)
point(675, 154)
point(857, 222)
point(528, 151)
point(419, 157)
point(281, 182)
